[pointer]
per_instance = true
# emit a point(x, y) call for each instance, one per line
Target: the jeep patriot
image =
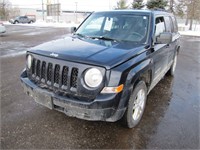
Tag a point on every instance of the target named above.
point(105, 69)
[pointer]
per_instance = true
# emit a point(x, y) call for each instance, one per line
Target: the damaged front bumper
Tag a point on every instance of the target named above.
point(100, 109)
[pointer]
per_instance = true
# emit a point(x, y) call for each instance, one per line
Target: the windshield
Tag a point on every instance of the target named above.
point(119, 27)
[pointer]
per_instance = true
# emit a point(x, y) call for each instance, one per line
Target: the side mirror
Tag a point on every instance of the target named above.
point(164, 38)
point(73, 29)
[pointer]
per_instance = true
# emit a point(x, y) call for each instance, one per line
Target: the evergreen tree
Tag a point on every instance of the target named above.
point(157, 4)
point(137, 4)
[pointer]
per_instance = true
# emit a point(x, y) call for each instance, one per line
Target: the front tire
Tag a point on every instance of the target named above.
point(136, 105)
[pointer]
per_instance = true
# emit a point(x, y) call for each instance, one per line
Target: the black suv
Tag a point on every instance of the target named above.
point(106, 68)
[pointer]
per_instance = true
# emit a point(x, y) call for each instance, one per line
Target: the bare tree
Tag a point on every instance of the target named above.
point(194, 11)
point(189, 8)
point(171, 6)
point(179, 11)
point(14, 12)
point(4, 9)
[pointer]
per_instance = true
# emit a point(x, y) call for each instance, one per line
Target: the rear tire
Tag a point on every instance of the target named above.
point(136, 105)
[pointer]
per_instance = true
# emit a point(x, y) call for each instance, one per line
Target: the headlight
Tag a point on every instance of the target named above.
point(93, 77)
point(29, 61)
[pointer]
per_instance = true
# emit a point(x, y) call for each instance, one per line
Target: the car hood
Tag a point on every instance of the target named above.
point(96, 52)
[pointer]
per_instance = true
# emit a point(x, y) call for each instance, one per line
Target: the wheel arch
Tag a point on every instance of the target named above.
point(142, 72)
point(145, 76)
point(16, 21)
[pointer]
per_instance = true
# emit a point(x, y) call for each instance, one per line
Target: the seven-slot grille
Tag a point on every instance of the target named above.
point(53, 74)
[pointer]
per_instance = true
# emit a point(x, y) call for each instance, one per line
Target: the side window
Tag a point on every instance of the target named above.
point(169, 25)
point(175, 24)
point(160, 26)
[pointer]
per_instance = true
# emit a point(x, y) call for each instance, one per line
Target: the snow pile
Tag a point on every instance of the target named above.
point(40, 23)
point(184, 30)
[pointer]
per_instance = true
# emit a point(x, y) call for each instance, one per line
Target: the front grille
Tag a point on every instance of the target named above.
point(74, 77)
point(33, 66)
point(65, 75)
point(57, 74)
point(54, 75)
point(38, 69)
point(49, 72)
point(43, 71)
point(62, 78)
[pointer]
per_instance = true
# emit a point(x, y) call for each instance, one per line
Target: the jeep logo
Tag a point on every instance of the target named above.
point(54, 54)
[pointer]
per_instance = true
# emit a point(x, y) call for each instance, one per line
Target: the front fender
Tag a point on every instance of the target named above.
point(131, 80)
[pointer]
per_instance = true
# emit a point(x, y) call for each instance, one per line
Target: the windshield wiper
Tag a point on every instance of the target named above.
point(96, 37)
point(103, 38)
point(81, 35)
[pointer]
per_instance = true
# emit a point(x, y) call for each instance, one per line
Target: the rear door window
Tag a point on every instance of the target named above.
point(169, 25)
point(174, 24)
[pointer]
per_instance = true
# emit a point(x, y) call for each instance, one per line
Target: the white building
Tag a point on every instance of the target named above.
point(65, 16)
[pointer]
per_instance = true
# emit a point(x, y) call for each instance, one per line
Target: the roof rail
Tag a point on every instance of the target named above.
point(159, 9)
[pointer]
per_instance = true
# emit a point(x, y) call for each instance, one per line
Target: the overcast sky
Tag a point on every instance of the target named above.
point(82, 5)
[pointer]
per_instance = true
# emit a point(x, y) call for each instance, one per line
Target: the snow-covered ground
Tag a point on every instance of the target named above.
point(40, 23)
point(184, 30)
